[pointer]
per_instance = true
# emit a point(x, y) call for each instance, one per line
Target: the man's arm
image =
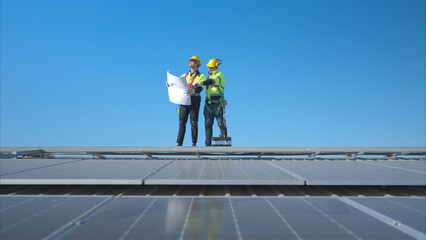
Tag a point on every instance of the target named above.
point(215, 80)
point(209, 81)
point(198, 87)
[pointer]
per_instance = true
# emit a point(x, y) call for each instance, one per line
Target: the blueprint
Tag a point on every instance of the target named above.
point(178, 86)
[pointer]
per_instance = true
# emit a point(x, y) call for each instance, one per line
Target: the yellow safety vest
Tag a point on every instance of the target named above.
point(192, 78)
point(218, 85)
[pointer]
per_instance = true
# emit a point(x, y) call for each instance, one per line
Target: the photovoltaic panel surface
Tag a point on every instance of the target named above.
point(344, 172)
point(413, 165)
point(233, 218)
point(160, 218)
point(8, 166)
point(222, 172)
point(139, 217)
point(215, 172)
point(35, 217)
point(89, 172)
point(407, 210)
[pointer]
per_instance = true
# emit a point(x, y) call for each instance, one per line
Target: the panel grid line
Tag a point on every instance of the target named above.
point(221, 168)
point(235, 219)
point(183, 168)
point(17, 204)
point(122, 166)
point(156, 170)
point(332, 220)
point(283, 219)
point(242, 170)
point(263, 170)
point(83, 218)
point(399, 168)
point(36, 168)
point(305, 181)
point(201, 171)
point(128, 172)
point(383, 218)
point(404, 206)
point(33, 216)
point(137, 220)
point(186, 219)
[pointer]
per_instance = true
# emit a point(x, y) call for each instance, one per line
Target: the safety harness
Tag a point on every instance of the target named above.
point(190, 86)
point(222, 98)
point(192, 81)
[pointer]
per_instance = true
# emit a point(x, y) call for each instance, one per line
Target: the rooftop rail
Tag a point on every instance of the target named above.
point(150, 152)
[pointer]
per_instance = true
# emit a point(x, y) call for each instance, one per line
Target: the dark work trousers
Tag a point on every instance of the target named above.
point(184, 111)
point(209, 120)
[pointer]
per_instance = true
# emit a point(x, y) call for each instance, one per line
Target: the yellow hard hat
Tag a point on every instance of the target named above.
point(213, 63)
point(196, 58)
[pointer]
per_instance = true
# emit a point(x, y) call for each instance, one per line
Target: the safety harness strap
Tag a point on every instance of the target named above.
point(192, 81)
point(210, 110)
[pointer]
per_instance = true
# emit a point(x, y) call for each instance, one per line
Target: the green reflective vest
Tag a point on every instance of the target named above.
point(190, 77)
point(218, 85)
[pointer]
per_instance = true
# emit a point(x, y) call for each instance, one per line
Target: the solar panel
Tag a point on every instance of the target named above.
point(88, 172)
point(139, 217)
point(321, 172)
point(8, 166)
point(132, 217)
point(415, 166)
point(159, 218)
point(407, 210)
point(35, 217)
point(308, 218)
point(216, 172)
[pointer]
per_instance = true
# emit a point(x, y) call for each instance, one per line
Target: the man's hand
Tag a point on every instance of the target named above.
point(190, 91)
point(167, 84)
point(197, 84)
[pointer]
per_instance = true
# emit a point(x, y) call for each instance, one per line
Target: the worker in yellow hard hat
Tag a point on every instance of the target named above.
point(215, 100)
point(193, 76)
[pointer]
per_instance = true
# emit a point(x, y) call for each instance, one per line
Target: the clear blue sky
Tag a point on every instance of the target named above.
point(298, 73)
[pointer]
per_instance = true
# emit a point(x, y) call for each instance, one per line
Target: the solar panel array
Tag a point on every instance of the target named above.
point(213, 172)
point(137, 217)
point(211, 217)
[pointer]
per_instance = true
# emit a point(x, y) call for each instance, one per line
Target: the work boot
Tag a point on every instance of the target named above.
point(194, 144)
point(179, 144)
